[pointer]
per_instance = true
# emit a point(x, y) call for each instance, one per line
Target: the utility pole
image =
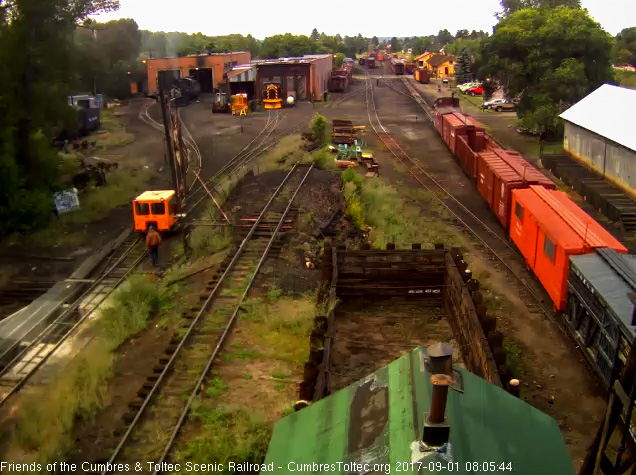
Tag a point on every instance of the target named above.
point(169, 147)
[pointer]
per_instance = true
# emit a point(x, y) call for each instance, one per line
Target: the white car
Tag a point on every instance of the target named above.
point(490, 104)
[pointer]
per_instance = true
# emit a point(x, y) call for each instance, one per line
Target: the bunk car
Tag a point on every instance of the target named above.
point(397, 65)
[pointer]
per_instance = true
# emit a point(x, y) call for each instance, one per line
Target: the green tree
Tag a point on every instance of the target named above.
point(396, 45)
point(375, 41)
point(549, 58)
point(338, 59)
point(625, 47)
point(36, 38)
point(444, 37)
point(315, 35)
point(511, 6)
point(319, 127)
point(463, 67)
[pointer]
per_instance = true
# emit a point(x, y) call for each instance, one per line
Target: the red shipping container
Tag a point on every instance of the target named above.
point(528, 172)
point(495, 182)
point(548, 227)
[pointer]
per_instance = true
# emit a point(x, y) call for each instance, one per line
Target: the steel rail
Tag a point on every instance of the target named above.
point(195, 321)
point(236, 158)
point(405, 157)
point(60, 320)
point(228, 327)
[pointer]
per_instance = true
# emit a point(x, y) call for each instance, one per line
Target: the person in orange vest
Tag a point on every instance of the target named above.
point(153, 239)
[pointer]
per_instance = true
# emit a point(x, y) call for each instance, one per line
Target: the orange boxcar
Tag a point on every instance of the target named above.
point(547, 227)
point(528, 172)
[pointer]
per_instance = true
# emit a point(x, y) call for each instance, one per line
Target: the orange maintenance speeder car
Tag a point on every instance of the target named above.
point(156, 208)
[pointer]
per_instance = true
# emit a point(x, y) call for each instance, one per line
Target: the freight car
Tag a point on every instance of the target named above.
point(599, 313)
point(422, 75)
point(545, 225)
point(397, 65)
point(371, 61)
point(409, 68)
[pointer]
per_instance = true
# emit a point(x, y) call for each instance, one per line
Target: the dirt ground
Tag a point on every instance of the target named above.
point(369, 336)
point(552, 366)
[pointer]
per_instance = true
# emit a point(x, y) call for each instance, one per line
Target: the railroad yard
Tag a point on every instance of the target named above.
point(230, 341)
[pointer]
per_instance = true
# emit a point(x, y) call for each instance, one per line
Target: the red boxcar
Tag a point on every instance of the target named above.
point(528, 172)
point(495, 182)
point(547, 227)
point(422, 75)
point(455, 125)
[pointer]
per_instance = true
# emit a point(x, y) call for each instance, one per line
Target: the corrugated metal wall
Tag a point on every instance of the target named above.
point(617, 163)
point(321, 73)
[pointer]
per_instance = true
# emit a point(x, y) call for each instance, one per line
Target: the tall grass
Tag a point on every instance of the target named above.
point(43, 430)
point(237, 436)
point(287, 151)
point(113, 132)
point(393, 220)
point(206, 240)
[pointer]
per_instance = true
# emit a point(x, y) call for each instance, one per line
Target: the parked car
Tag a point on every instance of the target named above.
point(493, 102)
point(466, 86)
point(475, 91)
point(504, 106)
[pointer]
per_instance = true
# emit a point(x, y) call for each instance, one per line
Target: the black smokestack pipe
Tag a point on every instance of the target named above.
point(441, 382)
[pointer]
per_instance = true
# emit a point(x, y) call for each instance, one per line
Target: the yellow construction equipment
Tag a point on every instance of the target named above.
point(239, 104)
point(272, 99)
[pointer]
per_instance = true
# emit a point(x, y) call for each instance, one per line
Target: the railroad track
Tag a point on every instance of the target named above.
point(527, 287)
point(488, 240)
point(179, 376)
point(20, 360)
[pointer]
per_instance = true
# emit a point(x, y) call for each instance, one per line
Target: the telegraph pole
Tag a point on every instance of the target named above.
point(169, 148)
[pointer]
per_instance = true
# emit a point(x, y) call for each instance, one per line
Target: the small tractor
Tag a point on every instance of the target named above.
point(239, 104)
point(220, 103)
point(272, 99)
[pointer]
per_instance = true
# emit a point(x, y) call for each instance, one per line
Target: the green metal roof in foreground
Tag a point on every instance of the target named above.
point(377, 422)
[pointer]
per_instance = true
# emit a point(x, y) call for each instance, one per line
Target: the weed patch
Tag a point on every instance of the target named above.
point(515, 358)
point(113, 132)
point(392, 220)
point(226, 435)
point(206, 240)
point(287, 151)
point(43, 430)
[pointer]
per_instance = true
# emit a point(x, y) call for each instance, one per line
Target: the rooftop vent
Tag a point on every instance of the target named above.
point(436, 424)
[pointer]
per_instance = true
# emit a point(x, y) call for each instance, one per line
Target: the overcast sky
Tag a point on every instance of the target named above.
point(406, 18)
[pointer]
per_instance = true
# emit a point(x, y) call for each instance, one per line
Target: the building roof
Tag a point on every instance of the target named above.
point(155, 195)
point(610, 112)
point(438, 59)
point(428, 53)
point(379, 421)
point(613, 276)
point(229, 53)
point(564, 222)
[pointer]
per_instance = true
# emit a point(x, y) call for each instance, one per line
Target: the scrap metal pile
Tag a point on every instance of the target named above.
point(348, 146)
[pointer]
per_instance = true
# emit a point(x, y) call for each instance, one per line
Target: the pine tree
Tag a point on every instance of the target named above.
point(463, 67)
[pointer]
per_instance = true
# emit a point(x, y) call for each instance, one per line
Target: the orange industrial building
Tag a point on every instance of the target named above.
point(207, 69)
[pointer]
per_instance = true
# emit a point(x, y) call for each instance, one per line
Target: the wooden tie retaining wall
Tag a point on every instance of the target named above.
point(436, 277)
